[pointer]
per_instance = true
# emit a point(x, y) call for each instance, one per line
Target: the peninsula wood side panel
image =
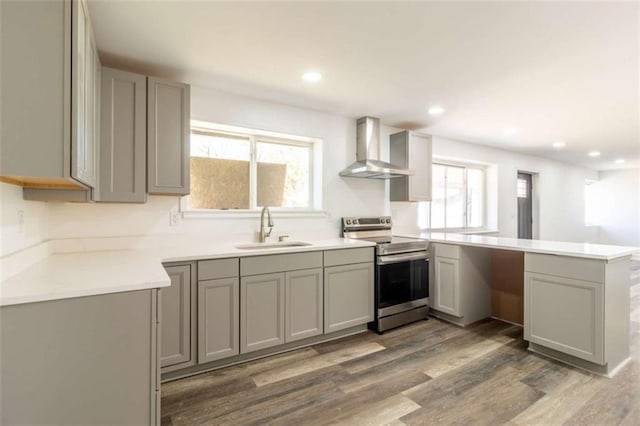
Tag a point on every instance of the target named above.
point(507, 285)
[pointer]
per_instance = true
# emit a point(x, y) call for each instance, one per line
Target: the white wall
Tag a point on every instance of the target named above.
point(560, 187)
point(342, 196)
point(20, 230)
point(559, 191)
point(617, 212)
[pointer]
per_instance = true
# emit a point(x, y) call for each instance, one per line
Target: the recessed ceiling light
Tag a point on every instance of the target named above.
point(509, 132)
point(559, 144)
point(594, 154)
point(435, 110)
point(620, 161)
point(311, 77)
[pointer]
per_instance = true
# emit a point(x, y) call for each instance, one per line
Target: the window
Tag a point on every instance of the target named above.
point(243, 169)
point(522, 188)
point(458, 199)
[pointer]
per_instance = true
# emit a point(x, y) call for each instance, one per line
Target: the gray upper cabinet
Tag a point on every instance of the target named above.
point(177, 319)
point(411, 150)
point(168, 132)
point(123, 137)
point(49, 71)
point(83, 102)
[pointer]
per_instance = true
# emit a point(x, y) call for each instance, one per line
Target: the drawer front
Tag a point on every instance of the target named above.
point(447, 250)
point(563, 266)
point(280, 263)
point(217, 268)
point(348, 256)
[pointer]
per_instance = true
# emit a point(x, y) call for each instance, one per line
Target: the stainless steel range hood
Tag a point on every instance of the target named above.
point(368, 164)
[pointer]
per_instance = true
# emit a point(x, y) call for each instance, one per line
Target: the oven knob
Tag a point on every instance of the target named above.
point(355, 221)
point(388, 220)
point(348, 221)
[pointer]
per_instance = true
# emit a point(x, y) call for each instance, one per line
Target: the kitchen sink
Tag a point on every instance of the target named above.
point(258, 246)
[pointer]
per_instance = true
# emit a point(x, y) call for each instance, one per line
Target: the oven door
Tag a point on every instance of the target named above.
point(402, 282)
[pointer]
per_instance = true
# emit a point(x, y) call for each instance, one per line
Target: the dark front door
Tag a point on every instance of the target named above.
point(525, 206)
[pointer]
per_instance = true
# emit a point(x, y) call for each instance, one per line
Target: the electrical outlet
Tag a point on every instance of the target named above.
point(174, 218)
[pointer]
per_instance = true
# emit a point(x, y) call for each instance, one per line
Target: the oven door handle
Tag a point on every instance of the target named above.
point(405, 257)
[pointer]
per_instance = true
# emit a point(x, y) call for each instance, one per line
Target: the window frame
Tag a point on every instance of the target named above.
point(465, 167)
point(254, 137)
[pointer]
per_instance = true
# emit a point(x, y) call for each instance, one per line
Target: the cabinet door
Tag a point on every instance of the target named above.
point(261, 312)
point(176, 318)
point(83, 144)
point(86, 361)
point(565, 314)
point(218, 319)
point(123, 141)
point(447, 286)
point(412, 151)
point(168, 131)
point(303, 299)
point(420, 163)
point(348, 296)
point(36, 89)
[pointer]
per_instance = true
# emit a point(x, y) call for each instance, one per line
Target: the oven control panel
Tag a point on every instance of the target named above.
point(383, 222)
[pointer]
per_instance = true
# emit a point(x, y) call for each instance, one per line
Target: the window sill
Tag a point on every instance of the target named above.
point(252, 214)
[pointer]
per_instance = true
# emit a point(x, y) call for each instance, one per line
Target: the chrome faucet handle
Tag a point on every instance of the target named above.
point(268, 233)
point(282, 237)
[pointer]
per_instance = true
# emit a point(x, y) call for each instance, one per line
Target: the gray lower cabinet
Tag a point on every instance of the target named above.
point(348, 296)
point(565, 314)
point(577, 309)
point(123, 176)
point(218, 319)
point(168, 133)
point(565, 304)
point(262, 311)
point(178, 319)
point(461, 289)
point(304, 304)
point(446, 297)
point(87, 360)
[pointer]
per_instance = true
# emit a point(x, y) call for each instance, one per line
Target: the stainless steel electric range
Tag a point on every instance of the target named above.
point(401, 272)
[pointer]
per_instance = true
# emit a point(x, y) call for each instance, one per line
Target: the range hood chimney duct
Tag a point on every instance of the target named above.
point(368, 164)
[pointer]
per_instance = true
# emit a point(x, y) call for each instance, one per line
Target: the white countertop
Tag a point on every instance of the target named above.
point(585, 250)
point(89, 273)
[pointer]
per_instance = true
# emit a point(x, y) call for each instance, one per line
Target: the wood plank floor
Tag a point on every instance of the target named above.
point(429, 372)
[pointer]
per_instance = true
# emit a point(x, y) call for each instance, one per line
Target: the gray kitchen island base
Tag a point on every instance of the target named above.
point(81, 361)
point(576, 308)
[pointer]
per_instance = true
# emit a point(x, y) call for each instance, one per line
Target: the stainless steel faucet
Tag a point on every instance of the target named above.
point(264, 235)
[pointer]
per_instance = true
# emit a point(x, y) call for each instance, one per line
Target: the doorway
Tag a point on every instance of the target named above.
point(525, 206)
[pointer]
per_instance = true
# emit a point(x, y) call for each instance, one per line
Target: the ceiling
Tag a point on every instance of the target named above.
point(551, 70)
